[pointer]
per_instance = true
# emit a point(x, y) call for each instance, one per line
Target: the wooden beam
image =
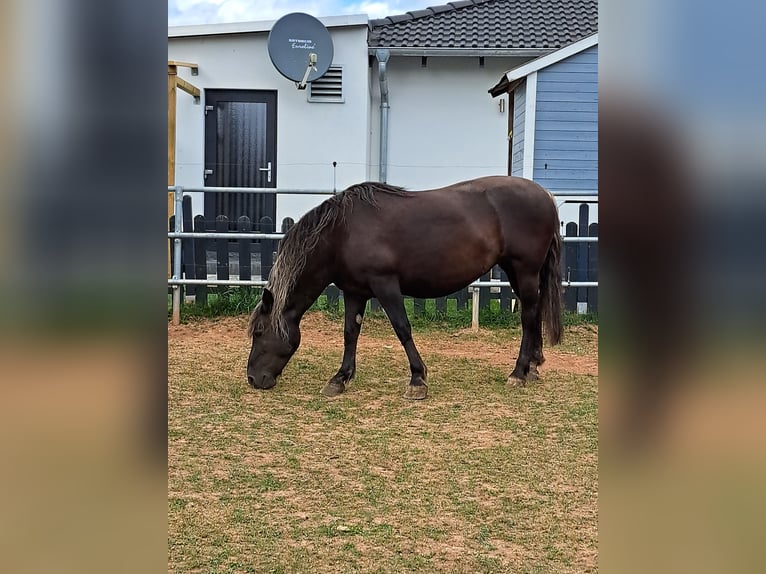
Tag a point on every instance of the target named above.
point(194, 67)
point(187, 87)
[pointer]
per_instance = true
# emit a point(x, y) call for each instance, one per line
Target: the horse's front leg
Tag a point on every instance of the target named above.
point(390, 297)
point(354, 313)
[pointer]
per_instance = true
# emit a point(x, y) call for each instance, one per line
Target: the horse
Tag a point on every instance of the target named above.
point(382, 241)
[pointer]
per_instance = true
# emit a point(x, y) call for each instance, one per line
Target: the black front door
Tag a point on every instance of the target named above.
point(240, 151)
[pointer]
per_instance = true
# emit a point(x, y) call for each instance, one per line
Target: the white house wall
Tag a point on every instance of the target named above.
point(443, 125)
point(310, 136)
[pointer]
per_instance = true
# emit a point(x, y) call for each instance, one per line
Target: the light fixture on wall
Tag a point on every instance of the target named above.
point(502, 105)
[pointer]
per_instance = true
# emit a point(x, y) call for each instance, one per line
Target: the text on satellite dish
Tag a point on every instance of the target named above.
point(302, 44)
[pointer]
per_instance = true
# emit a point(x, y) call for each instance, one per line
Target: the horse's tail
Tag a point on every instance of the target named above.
point(550, 291)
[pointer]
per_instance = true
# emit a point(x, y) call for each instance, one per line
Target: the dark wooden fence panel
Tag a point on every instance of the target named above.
point(333, 298)
point(593, 268)
point(506, 294)
point(461, 297)
point(267, 247)
point(222, 248)
point(172, 227)
point(582, 254)
point(200, 260)
point(579, 263)
point(244, 225)
point(187, 245)
point(484, 292)
point(441, 305)
point(570, 267)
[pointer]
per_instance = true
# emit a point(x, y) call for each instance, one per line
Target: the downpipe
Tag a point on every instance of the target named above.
point(382, 57)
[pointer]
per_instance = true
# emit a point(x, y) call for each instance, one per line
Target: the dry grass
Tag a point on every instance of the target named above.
point(477, 478)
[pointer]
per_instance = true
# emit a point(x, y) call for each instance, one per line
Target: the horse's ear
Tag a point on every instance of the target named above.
point(267, 301)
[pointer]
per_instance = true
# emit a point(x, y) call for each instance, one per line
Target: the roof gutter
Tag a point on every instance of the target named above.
point(381, 55)
point(466, 52)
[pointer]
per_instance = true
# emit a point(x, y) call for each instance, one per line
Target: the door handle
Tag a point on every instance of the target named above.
point(207, 172)
point(267, 169)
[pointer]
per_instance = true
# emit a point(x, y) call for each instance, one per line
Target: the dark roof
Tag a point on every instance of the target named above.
point(489, 24)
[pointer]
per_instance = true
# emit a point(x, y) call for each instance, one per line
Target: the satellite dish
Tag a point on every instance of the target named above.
point(300, 47)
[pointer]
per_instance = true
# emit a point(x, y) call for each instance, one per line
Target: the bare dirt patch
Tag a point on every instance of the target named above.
point(493, 346)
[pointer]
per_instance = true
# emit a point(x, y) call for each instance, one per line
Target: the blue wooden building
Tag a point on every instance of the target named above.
point(553, 119)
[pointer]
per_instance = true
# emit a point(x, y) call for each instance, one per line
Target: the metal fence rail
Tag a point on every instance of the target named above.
point(176, 281)
point(278, 236)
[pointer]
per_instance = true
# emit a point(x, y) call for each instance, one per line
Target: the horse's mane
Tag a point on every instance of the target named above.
point(302, 238)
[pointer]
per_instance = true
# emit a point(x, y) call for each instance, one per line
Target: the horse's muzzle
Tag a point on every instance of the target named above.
point(261, 382)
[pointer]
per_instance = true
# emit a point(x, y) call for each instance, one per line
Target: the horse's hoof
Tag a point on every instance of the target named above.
point(333, 389)
point(534, 374)
point(514, 381)
point(416, 392)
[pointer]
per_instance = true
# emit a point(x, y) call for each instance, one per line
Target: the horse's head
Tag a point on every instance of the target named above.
point(271, 351)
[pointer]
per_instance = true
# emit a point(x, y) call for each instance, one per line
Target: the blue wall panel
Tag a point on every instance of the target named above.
point(566, 124)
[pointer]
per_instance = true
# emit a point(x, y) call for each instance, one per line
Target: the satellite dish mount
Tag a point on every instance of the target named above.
point(311, 67)
point(300, 47)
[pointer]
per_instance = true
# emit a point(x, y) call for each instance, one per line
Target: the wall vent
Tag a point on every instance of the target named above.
point(328, 88)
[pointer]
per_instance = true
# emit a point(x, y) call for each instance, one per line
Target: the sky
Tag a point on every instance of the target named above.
point(189, 12)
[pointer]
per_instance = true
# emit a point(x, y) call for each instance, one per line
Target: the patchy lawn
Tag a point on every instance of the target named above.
point(477, 478)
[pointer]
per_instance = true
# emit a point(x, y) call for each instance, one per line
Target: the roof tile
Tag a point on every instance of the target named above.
point(489, 24)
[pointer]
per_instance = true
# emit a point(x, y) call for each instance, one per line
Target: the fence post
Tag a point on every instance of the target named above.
point(475, 308)
point(178, 194)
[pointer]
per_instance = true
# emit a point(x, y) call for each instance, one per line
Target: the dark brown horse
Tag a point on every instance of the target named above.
point(377, 240)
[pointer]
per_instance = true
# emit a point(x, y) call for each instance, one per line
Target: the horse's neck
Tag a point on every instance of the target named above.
point(309, 285)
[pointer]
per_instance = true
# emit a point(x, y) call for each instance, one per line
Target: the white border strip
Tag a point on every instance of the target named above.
point(552, 58)
point(530, 111)
point(257, 26)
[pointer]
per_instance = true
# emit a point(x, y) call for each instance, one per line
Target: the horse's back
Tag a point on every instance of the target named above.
point(515, 206)
point(438, 241)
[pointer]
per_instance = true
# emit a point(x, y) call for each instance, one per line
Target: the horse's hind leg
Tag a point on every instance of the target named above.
point(537, 350)
point(388, 293)
point(354, 313)
point(526, 284)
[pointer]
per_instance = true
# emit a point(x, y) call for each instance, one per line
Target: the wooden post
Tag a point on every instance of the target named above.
point(172, 76)
point(175, 82)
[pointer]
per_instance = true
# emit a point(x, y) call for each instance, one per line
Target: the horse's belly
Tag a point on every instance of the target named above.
point(437, 281)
